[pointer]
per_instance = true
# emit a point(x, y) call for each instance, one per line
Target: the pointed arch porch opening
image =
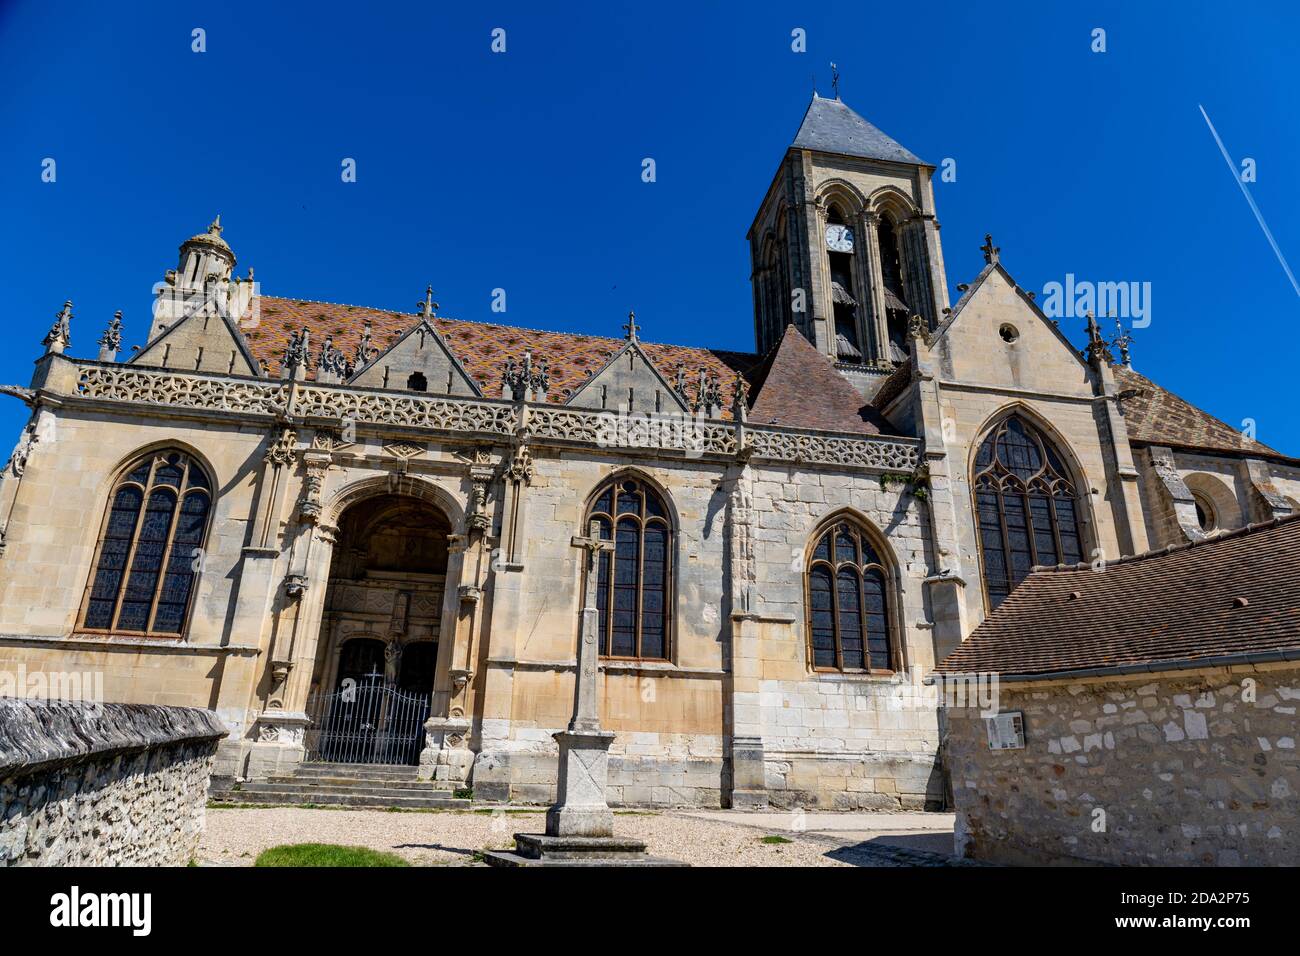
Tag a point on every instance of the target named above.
point(378, 652)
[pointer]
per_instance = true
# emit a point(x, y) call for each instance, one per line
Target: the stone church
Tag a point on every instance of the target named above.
point(356, 534)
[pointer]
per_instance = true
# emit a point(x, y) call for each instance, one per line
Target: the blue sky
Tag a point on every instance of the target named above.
point(522, 170)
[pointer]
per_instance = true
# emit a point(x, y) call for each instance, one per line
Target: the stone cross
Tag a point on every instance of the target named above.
point(586, 712)
point(630, 327)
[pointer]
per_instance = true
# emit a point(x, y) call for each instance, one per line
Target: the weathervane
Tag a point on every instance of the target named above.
point(835, 80)
point(1122, 341)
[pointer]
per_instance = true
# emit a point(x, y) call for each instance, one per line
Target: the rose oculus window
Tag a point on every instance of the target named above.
point(147, 552)
point(1026, 507)
point(633, 580)
point(848, 603)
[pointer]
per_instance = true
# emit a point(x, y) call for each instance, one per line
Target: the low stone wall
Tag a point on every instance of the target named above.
point(1178, 769)
point(103, 785)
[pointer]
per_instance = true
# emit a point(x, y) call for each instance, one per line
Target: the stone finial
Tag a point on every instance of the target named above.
point(366, 351)
point(1098, 349)
point(215, 227)
point(426, 305)
point(991, 252)
point(918, 328)
point(331, 363)
point(111, 341)
point(739, 398)
point(296, 354)
point(630, 327)
point(524, 379)
point(60, 335)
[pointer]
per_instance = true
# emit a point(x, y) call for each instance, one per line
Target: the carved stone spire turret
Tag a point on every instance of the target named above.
point(630, 327)
point(111, 341)
point(60, 334)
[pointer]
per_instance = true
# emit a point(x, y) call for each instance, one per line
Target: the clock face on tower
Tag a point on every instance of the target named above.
point(839, 238)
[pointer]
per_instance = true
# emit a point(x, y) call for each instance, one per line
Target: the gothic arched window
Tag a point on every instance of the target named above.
point(632, 581)
point(145, 564)
point(1026, 507)
point(848, 603)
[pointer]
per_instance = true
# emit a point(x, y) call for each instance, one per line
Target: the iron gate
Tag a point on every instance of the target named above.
point(367, 722)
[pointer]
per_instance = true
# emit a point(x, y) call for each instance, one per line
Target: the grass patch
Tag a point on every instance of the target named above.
point(464, 793)
point(774, 839)
point(325, 854)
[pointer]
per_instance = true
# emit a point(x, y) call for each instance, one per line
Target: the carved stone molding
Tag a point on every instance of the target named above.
point(545, 424)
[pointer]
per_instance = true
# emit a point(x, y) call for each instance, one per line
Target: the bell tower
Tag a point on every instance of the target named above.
point(845, 244)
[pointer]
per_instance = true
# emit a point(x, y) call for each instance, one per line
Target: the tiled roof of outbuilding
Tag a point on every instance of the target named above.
point(1230, 595)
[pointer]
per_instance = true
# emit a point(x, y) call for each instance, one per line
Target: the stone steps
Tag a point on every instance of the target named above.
point(309, 771)
point(287, 795)
point(350, 785)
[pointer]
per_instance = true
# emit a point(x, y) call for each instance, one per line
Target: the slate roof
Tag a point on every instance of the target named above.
point(1155, 416)
point(1233, 594)
point(830, 126)
point(798, 387)
point(482, 347)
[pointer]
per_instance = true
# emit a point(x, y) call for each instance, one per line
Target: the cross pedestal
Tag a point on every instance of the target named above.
point(580, 825)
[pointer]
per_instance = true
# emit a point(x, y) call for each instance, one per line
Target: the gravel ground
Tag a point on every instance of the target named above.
point(234, 837)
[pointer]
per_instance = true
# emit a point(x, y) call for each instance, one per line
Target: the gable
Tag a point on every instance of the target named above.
point(481, 347)
point(973, 350)
point(420, 351)
point(628, 381)
point(199, 343)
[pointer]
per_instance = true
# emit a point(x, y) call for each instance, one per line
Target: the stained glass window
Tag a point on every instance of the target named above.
point(848, 604)
point(633, 594)
point(1026, 507)
point(148, 551)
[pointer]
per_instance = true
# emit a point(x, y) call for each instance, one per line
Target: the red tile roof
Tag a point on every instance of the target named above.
point(1234, 594)
point(798, 387)
point(1155, 416)
point(482, 347)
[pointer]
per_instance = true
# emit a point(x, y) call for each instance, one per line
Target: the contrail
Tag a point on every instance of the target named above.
point(1250, 199)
